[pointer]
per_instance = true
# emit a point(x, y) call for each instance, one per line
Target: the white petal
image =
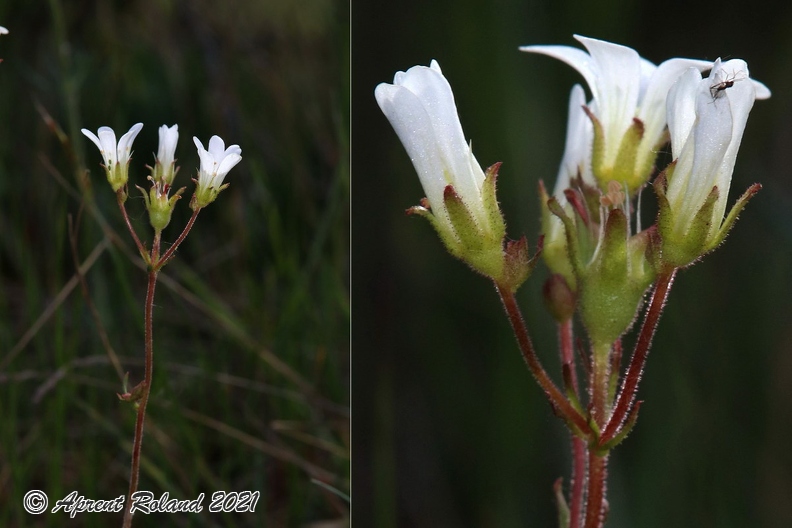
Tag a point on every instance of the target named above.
point(652, 111)
point(434, 93)
point(577, 58)
point(125, 143)
point(577, 151)
point(618, 86)
point(90, 135)
point(168, 139)
point(681, 109)
point(233, 149)
point(198, 144)
point(216, 147)
point(412, 124)
point(762, 91)
point(226, 165)
point(107, 138)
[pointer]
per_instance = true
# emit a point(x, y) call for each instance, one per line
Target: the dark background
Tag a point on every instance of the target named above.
point(251, 319)
point(450, 429)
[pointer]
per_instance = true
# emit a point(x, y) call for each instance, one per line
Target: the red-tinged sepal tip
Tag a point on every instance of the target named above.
point(561, 503)
point(518, 263)
point(133, 395)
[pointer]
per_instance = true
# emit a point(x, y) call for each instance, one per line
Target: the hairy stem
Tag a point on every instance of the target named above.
point(140, 247)
point(566, 339)
point(141, 411)
point(597, 484)
point(626, 397)
point(557, 399)
point(158, 263)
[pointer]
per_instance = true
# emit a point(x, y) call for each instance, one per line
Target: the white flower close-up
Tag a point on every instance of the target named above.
point(216, 161)
point(706, 119)
point(166, 152)
point(116, 155)
point(420, 106)
point(625, 87)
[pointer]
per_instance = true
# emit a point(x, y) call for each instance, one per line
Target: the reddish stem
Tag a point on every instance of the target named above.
point(171, 250)
point(120, 196)
point(629, 387)
point(598, 476)
point(566, 339)
point(557, 399)
point(141, 411)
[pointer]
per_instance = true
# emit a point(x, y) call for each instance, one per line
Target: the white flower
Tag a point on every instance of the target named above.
point(3, 31)
point(164, 168)
point(215, 164)
point(420, 106)
point(629, 95)
point(576, 160)
point(116, 155)
point(462, 204)
point(706, 119)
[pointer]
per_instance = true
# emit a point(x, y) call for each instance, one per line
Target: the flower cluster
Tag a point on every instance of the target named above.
point(602, 261)
point(215, 165)
point(592, 238)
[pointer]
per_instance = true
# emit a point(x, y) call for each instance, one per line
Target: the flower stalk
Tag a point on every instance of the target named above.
point(215, 164)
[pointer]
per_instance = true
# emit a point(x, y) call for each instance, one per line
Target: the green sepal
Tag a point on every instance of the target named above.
point(555, 252)
point(625, 169)
point(624, 430)
point(561, 504)
point(489, 199)
point(470, 235)
point(134, 395)
point(598, 167)
point(446, 235)
point(117, 175)
point(572, 245)
point(681, 249)
point(602, 304)
point(472, 243)
point(615, 281)
point(665, 216)
point(203, 196)
point(159, 205)
point(731, 218)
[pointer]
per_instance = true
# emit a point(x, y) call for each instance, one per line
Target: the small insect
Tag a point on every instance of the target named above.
point(717, 89)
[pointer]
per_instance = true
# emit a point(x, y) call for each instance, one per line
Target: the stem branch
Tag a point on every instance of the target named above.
point(557, 399)
point(629, 387)
point(171, 250)
point(566, 339)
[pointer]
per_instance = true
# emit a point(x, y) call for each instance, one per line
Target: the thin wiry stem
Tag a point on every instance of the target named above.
point(557, 399)
point(578, 481)
point(158, 263)
point(146, 390)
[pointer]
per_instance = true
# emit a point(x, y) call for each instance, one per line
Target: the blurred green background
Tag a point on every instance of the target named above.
point(450, 429)
point(251, 323)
